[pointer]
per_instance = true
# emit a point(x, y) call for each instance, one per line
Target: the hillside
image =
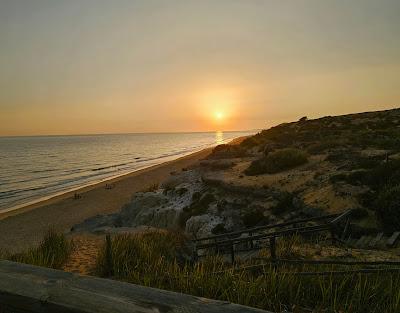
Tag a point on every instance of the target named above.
point(299, 169)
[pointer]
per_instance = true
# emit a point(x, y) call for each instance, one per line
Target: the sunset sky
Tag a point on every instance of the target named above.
point(93, 66)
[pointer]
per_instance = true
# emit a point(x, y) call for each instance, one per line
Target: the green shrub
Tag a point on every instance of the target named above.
point(277, 161)
point(253, 218)
point(352, 178)
point(338, 177)
point(219, 229)
point(387, 207)
point(387, 173)
point(285, 203)
point(359, 213)
point(152, 188)
point(252, 141)
point(53, 251)
point(227, 151)
point(321, 147)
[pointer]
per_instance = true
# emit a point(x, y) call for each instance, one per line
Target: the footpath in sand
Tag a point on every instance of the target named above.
point(83, 257)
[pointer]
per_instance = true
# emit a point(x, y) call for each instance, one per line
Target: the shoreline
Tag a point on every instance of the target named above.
point(86, 188)
point(22, 228)
point(23, 207)
point(59, 195)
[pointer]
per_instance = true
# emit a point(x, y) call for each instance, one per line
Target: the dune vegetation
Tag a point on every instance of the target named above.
point(53, 251)
point(157, 259)
point(277, 161)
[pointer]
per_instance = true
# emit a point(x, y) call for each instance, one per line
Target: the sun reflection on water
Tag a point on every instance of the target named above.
point(219, 137)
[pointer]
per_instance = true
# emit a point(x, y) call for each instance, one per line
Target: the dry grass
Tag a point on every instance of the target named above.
point(53, 251)
point(153, 260)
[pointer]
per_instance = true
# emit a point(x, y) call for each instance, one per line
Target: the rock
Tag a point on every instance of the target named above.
point(141, 204)
point(158, 209)
point(96, 222)
point(202, 225)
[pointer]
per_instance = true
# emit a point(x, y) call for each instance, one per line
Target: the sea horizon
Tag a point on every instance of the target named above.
point(133, 133)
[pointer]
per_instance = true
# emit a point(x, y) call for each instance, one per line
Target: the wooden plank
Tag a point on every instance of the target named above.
point(392, 240)
point(360, 241)
point(286, 232)
point(352, 242)
point(276, 262)
point(337, 262)
point(375, 241)
point(366, 241)
point(350, 272)
point(27, 288)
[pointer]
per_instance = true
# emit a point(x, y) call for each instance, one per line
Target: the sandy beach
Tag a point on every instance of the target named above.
point(22, 228)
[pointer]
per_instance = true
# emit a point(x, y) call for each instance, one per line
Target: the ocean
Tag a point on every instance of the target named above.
point(39, 167)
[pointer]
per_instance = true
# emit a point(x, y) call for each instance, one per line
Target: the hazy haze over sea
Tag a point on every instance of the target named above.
point(32, 168)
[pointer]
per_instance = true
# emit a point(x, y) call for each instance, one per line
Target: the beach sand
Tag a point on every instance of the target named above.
point(23, 228)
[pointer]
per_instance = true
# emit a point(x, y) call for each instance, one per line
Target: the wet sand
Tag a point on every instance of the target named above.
point(22, 228)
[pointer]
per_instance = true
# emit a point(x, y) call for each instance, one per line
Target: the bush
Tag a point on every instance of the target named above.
point(252, 141)
point(277, 161)
point(227, 152)
point(385, 174)
point(151, 188)
point(53, 251)
point(353, 178)
point(253, 218)
point(303, 119)
point(388, 208)
point(359, 213)
point(285, 203)
point(321, 147)
point(219, 229)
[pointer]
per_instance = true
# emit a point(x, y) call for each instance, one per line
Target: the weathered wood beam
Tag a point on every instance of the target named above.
point(27, 288)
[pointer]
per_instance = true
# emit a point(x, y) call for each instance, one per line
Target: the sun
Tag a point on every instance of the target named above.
point(219, 115)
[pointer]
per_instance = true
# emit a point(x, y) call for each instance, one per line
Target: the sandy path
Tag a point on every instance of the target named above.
point(22, 228)
point(83, 258)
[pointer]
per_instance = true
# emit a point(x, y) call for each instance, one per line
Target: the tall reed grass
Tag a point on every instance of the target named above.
point(151, 260)
point(53, 251)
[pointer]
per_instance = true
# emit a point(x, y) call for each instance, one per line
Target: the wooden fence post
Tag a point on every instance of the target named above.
point(195, 253)
point(346, 227)
point(272, 247)
point(109, 263)
point(332, 232)
point(232, 253)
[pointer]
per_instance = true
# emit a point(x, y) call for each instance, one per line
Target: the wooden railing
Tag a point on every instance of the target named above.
point(267, 227)
point(26, 288)
point(364, 267)
point(226, 243)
